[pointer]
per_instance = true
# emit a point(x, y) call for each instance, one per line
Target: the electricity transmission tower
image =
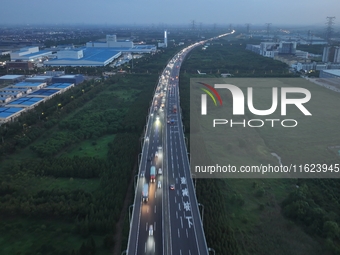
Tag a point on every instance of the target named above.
point(329, 30)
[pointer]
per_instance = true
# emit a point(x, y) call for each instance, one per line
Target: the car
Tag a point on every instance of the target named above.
point(156, 154)
point(149, 158)
point(172, 186)
point(151, 114)
point(160, 171)
point(159, 184)
point(150, 230)
point(147, 138)
point(142, 173)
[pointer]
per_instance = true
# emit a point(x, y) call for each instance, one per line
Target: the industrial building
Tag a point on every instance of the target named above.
point(331, 54)
point(30, 85)
point(38, 78)
point(74, 79)
point(44, 93)
point(29, 54)
point(60, 86)
point(11, 78)
point(330, 74)
point(20, 65)
point(165, 43)
point(10, 113)
point(111, 42)
point(26, 102)
point(84, 57)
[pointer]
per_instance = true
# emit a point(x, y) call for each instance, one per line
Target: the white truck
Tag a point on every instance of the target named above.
point(145, 193)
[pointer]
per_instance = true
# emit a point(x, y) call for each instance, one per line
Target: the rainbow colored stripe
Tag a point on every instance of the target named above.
point(210, 94)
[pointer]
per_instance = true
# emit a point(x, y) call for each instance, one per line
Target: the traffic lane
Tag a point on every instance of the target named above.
point(183, 232)
point(147, 244)
point(196, 218)
point(136, 215)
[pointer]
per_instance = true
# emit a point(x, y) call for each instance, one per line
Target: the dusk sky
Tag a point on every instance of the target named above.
point(277, 12)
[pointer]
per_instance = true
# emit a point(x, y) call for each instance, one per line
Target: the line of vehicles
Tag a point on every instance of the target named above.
point(145, 192)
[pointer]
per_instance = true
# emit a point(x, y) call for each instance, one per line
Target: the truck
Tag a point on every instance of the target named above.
point(174, 108)
point(145, 193)
point(152, 174)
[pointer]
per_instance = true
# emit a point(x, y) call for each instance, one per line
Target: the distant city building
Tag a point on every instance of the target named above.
point(331, 54)
point(164, 44)
point(288, 48)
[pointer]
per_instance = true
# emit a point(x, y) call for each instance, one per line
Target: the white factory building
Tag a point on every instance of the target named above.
point(111, 42)
point(29, 54)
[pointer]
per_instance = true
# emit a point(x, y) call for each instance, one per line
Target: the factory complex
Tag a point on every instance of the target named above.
point(92, 54)
point(24, 94)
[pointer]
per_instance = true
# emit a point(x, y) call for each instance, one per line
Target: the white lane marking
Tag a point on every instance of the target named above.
point(175, 200)
point(145, 247)
point(155, 209)
point(179, 206)
point(146, 226)
point(155, 194)
point(147, 209)
point(189, 252)
point(176, 215)
point(173, 176)
point(154, 226)
point(178, 233)
point(180, 252)
point(187, 236)
point(176, 180)
point(181, 221)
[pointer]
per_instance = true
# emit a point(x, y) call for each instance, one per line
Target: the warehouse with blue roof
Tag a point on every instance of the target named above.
point(30, 85)
point(60, 86)
point(10, 113)
point(26, 102)
point(84, 57)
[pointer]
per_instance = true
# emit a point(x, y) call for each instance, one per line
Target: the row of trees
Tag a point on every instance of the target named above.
point(315, 206)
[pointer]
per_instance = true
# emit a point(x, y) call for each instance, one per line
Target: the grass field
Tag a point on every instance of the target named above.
point(253, 209)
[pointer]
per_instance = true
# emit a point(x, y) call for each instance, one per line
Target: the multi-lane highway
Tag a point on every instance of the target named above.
point(172, 208)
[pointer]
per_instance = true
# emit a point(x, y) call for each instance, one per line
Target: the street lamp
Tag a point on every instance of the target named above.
point(211, 249)
point(135, 181)
point(130, 213)
point(139, 156)
point(199, 204)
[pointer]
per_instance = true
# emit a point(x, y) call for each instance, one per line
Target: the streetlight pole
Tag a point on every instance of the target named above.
point(130, 213)
point(199, 204)
point(194, 176)
point(135, 182)
point(211, 249)
point(139, 157)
